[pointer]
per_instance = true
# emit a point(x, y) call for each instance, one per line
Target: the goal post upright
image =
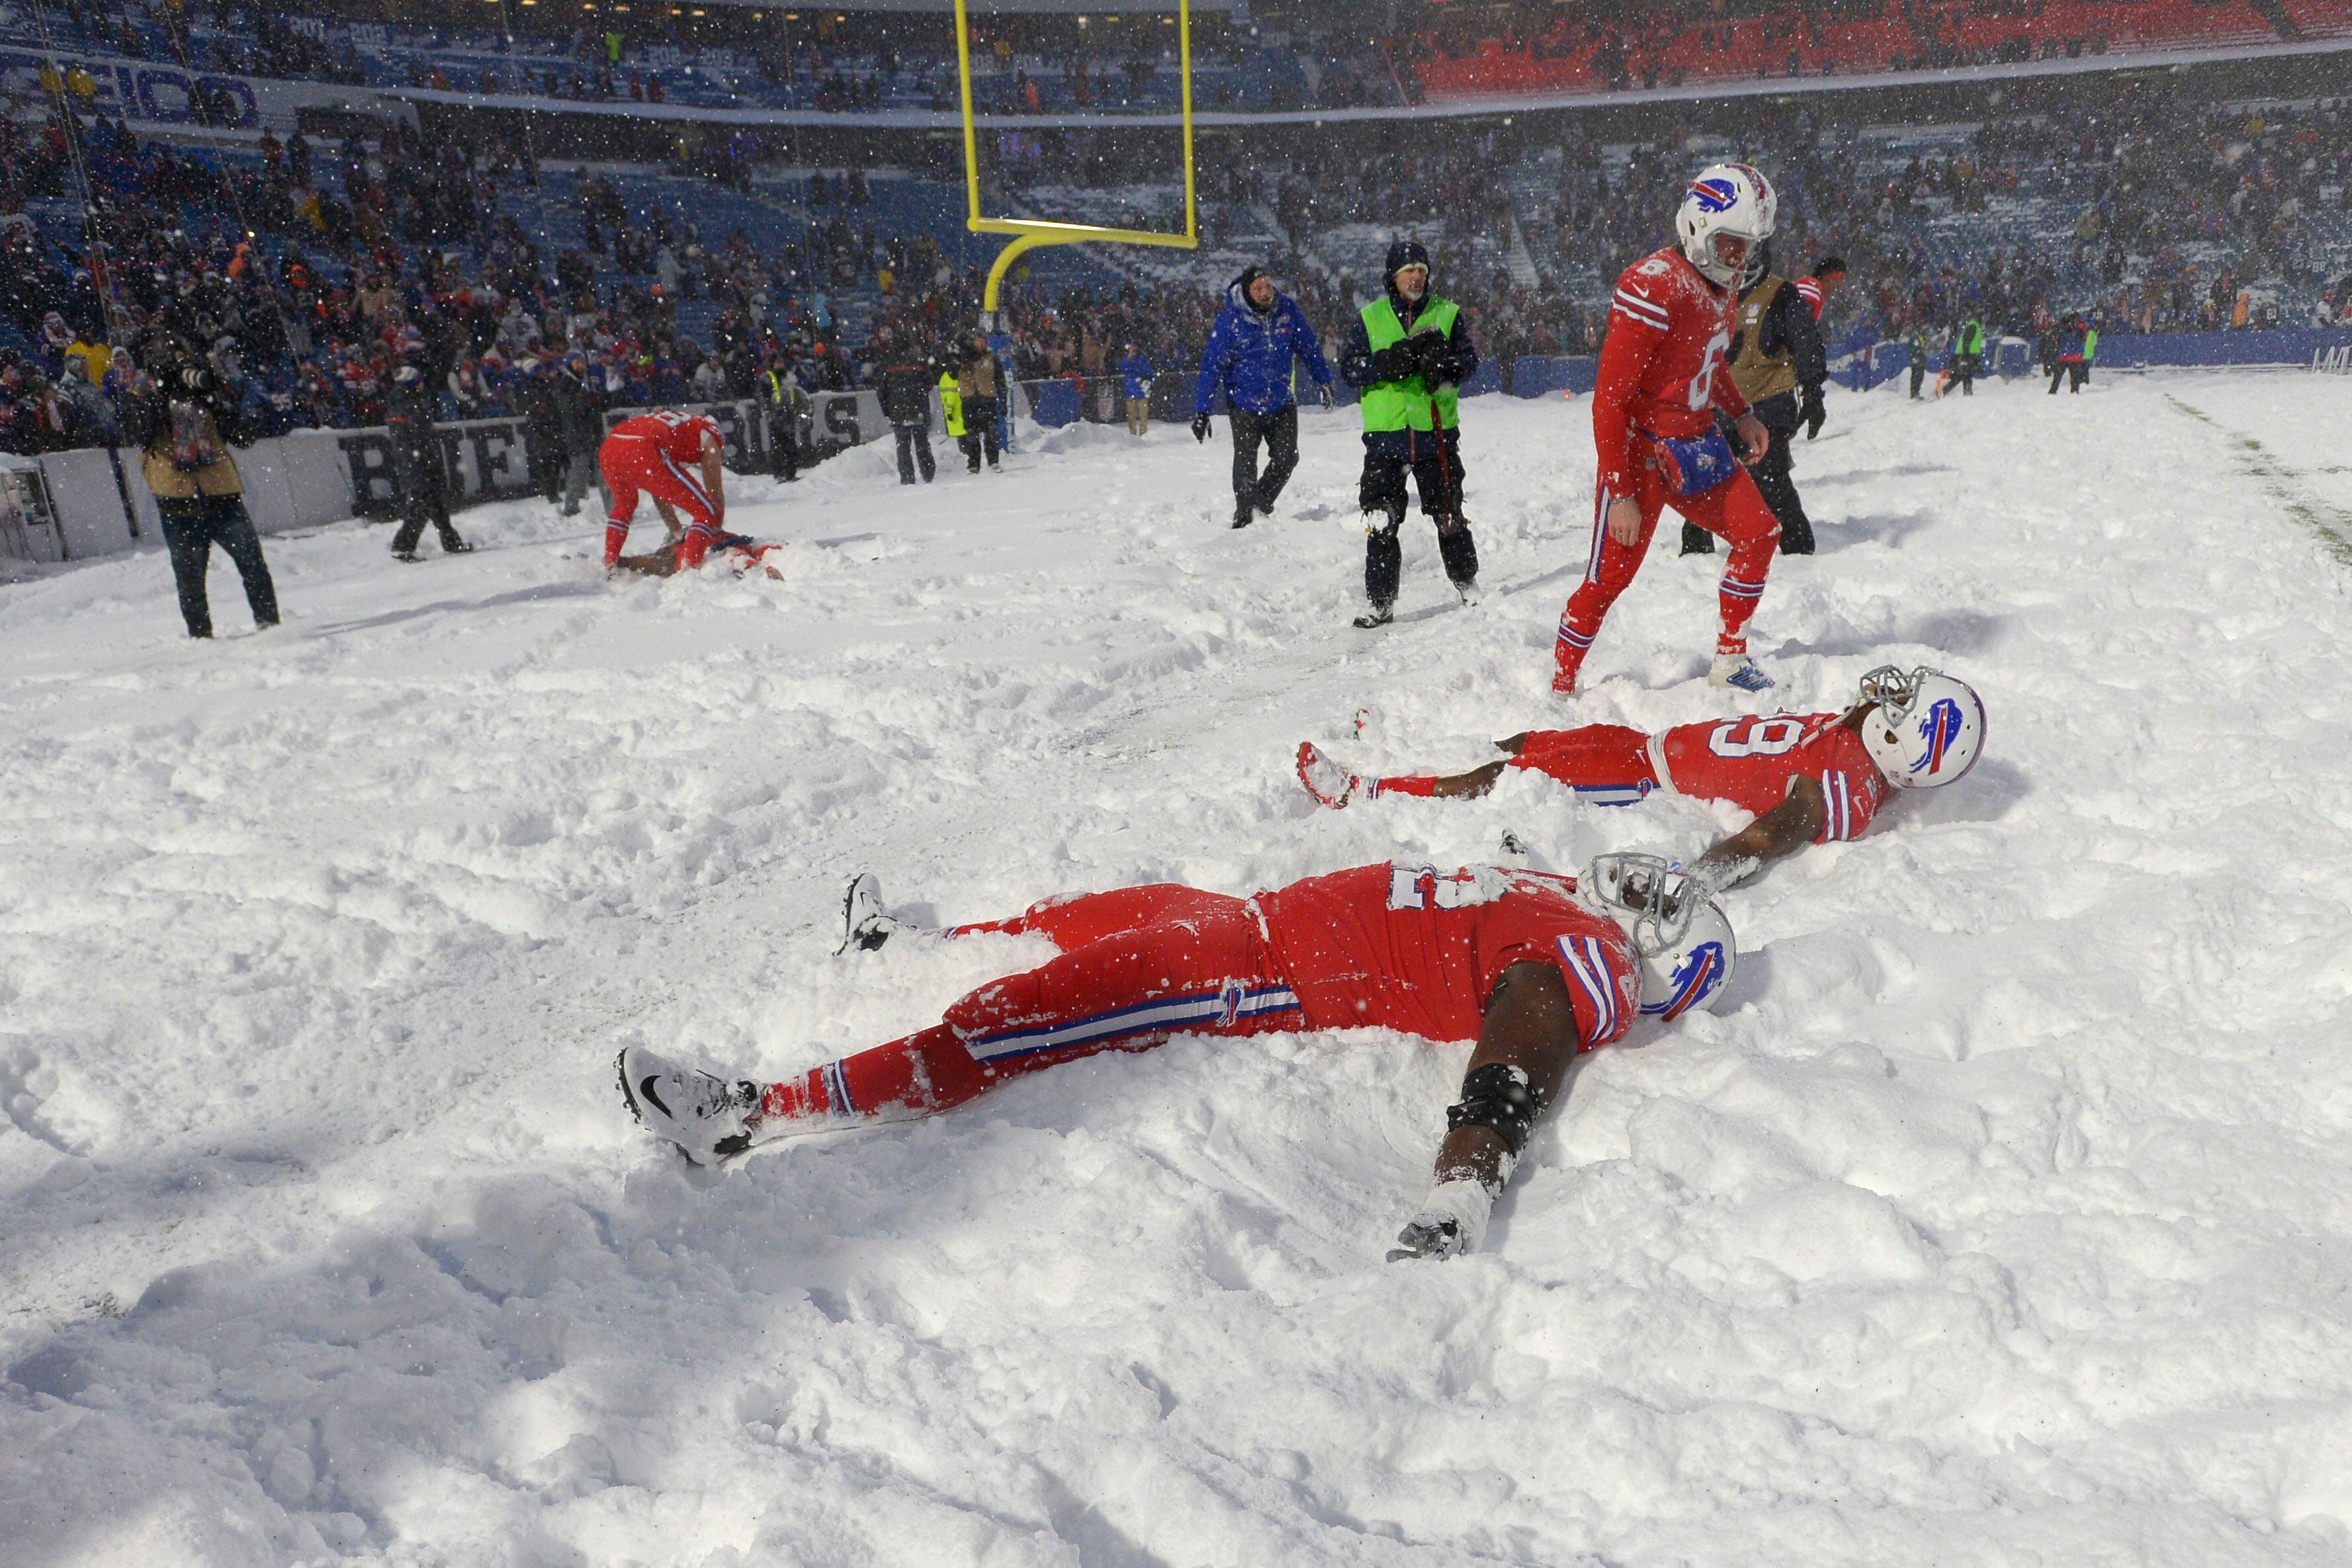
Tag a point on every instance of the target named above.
point(1028, 234)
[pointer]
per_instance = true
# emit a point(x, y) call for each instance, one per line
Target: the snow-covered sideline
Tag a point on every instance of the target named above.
point(2004, 1218)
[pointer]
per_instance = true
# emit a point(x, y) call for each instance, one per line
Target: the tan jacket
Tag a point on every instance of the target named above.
point(169, 482)
point(977, 377)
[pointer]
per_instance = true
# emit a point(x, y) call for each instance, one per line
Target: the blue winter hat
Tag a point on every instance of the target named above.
point(1404, 253)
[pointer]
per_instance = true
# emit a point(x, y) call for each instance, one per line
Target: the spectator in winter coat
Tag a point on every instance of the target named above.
point(1135, 375)
point(580, 404)
point(2072, 364)
point(980, 382)
point(905, 385)
point(182, 422)
point(1408, 356)
point(1256, 336)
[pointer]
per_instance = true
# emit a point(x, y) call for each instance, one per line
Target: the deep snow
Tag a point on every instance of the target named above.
point(2002, 1219)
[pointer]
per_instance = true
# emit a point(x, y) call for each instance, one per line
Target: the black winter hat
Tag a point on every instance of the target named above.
point(1241, 288)
point(1404, 253)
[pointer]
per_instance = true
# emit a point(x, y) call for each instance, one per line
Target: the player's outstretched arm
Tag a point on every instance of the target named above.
point(1526, 1042)
point(1778, 833)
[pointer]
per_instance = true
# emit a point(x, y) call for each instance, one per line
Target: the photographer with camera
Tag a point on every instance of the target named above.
point(183, 421)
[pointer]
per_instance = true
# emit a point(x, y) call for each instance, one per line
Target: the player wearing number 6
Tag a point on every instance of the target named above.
point(1529, 965)
point(1810, 778)
point(1662, 380)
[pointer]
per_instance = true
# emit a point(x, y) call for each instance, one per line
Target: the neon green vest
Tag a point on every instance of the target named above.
point(951, 404)
point(2090, 345)
point(1400, 404)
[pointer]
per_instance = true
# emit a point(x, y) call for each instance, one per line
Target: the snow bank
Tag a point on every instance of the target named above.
point(2004, 1220)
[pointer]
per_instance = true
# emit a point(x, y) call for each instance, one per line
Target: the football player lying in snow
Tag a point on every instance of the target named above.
point(740, 551)
point(1810, 777)
point(1532, 966)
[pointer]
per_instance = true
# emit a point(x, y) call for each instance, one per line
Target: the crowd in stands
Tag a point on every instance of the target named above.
point(1673, 45)
point(310, 269)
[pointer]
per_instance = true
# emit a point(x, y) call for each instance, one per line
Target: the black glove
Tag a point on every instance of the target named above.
point(1439, 365)
point(1200, 426)
point(1324, 395)
point(1811, 413)
point(1395, 362)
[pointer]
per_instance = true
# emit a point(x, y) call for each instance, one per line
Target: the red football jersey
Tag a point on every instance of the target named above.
point(1811, 288)
point(683, 437)
point(1752, 762)
point(1662, 364)
point(1411, 948)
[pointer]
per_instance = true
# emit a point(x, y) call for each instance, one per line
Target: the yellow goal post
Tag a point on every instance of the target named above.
point(1029, 232)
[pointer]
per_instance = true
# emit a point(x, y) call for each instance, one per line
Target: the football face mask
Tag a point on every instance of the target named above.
point(1681, 938)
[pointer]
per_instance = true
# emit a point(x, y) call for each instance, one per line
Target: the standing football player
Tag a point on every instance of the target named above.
point(1662, 380)
point(1532, 966)
point(649, 454)
point(1810, 778)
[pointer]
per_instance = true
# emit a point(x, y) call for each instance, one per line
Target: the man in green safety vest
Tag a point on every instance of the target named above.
point(1968, 354)
point(952, 408)
point(1407, 357)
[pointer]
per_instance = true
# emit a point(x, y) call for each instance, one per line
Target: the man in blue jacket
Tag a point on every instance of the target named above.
point(1258, 333)
point(1135, 373)
point(1407, 357)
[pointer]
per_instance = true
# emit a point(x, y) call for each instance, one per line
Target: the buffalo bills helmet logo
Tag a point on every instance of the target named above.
point(1939, 729)
point(1700, 970)
point(1716, 196)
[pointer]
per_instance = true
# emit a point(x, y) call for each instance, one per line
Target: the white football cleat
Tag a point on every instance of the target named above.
point(708, 1117)
point(1326, 780)
point(1451, 1221)
point(1469, 592)
point(865, 924)
point(1738, 671)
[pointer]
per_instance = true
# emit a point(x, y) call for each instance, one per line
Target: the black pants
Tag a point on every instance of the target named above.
point(546, 454)
point(416, 475)
point(1252, 491)
point(2073, 373)
point(1770, 473)
point(191, 529)
point(980, 431)
point(784, 448)
point(1965, 367)
point(1919, 374)
point(915, 448)
point(1435, 464)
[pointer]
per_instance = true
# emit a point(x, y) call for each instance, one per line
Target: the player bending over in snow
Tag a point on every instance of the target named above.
point(651, 454)
point(1662, 378)
point(1810, 778)
point(1529, 965)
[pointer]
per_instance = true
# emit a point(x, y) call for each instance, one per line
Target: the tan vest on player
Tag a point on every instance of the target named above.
point(1759, 375)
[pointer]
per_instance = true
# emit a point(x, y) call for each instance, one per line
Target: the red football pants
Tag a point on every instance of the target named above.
point(1733, 510)
point(1608, 761)
point(1137, 966)
point(632, 466)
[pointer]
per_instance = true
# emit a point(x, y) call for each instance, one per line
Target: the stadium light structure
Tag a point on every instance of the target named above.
point(1028, 234)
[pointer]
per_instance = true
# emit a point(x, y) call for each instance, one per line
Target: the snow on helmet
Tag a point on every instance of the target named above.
point(1681, 936)
point(1928, 727)
point(1725, 198)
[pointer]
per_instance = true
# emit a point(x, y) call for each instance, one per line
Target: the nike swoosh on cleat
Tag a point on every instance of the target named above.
point(646, 1087)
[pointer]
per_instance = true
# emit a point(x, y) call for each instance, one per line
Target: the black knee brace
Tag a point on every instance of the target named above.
point(1496, 1098)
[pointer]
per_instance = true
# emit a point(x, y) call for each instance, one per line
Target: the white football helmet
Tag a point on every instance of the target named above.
point(1680, 933)
point(1727, 198)
point(1928, 727)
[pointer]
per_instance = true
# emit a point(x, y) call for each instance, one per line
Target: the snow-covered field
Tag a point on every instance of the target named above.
point(2005, 1217)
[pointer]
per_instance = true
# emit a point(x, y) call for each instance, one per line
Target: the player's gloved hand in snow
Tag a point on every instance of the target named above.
point(1451, 1221)
point(1200, 426)
point(1810, 413)
point(1323, 395)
